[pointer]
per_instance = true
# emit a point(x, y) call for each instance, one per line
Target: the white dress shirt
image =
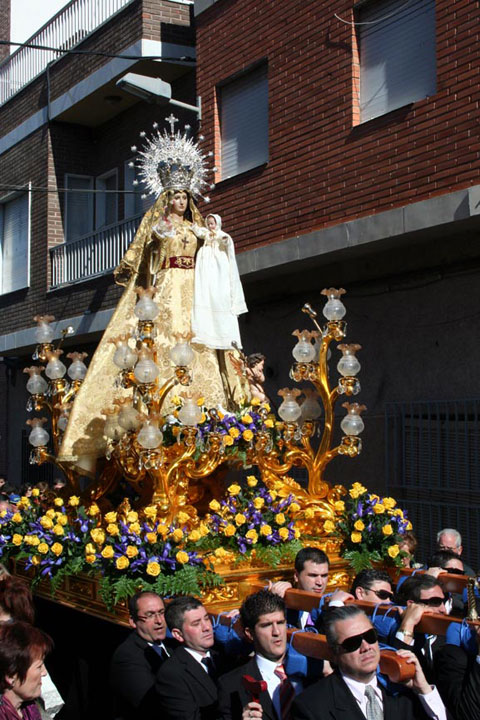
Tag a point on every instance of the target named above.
point(267, 670)
point(198, 656)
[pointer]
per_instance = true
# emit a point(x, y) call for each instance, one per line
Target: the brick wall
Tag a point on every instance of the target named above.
point(323, 169)
point(4, 27)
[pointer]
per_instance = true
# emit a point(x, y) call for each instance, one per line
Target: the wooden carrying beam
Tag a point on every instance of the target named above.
point(449, 581)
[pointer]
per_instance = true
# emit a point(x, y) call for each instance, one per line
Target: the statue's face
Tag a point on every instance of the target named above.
point(211, 223)
point(179, 202)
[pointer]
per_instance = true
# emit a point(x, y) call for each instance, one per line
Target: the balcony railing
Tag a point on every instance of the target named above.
point(92, 255)
point(65, 30)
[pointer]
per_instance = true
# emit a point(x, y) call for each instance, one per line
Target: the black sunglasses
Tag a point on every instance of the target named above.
point(353, 643)
point(453, 571)
point(435, 602)
point(383, 594)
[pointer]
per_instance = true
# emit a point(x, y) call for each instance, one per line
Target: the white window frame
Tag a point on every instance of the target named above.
point(91, 203)
point(4, 201)
point(129, 174)
point(244, 124)
point(100, 198)
point(397, 54)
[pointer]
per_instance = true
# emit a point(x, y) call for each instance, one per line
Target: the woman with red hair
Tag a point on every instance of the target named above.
point(22, 652)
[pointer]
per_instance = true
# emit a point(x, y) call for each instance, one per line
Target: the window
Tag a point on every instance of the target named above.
point(106, 203)
point(15, 243)
point(134, 204)
point(397, 54)
point(78, 206)
point(244, 122)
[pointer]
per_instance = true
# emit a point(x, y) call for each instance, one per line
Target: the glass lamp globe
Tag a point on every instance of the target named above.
point(348, 365)
point(55, 369)
point(38, 435)
point(145, 370)
point(43, 333)
point(190, 413)
point(146, 308)
point(77, 370)
point(181, 354)
point(36, 384)
point(303, 351)
point(128, 418)
point(124, 357)
point(352, 423)
point(311, 408)
point(112, 429)
point(289, 410)
point(150, 436)
point(334, 308)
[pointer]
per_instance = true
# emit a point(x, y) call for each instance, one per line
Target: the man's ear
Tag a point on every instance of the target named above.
point(248, 634)
point(295, 577)
point(132, 623)
point(177, 635)
point(10, 680)
point(359, 593)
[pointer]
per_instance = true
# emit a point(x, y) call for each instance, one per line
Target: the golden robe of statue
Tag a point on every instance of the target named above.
point(168, 263)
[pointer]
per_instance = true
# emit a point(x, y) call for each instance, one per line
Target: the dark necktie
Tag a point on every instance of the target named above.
point(161, 650)
point(209, 666)
point(287, 692)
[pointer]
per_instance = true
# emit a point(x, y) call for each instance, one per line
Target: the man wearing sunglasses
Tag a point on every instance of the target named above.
point(373, 586)
point(419, 594)
point(353, 692)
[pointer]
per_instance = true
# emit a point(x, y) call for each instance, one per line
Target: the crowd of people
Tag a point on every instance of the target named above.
point(175, 664)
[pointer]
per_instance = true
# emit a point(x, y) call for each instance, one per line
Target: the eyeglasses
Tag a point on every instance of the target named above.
point(151, 615)
point(453, 548)
point(353, 643)
point(453, 571)
point(383, 594)
point(435, 602)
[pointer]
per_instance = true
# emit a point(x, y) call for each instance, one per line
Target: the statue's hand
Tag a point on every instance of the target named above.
point(163, 229)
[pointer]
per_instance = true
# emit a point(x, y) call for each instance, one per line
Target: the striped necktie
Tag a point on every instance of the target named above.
point(287, 692)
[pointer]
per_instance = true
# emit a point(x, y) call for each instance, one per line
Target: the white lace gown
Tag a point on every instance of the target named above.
point(218, 293)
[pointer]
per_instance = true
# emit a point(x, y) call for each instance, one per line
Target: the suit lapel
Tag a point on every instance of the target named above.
point(265, 699)
point(345, 704)
point(193, 668)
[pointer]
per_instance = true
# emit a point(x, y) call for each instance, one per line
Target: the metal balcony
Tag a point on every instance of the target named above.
point(92, 255)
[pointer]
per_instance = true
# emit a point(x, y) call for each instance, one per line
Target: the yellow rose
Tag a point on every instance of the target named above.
point(203, 529)
point(353, 493)
point(234, 489)
point(177, 535)
point(409, 525)
point(181, 557)
point(134, 528)
point(293, 507)
point(265, 530)
point(252, 481)
point(234, 432)
point(162, 530)
point(252, 535)
point(258, 503)
point(73, 500)
point(247, 419)
point(93, 510)
point(194, 536)
point(393, 551)
point(182, 517)
point(150, 512)
point(284, 533)
point(131, 551)
point(58, 530)
point(90, 549)
point(107, 552)
point(32, 540)
point(17, 539)
point(50, 513)
point(35, 559)
point(17, 518)
point(220, 552)
point(153, 569)
point(280, 518)
point(230, 530)
point(62, 519)
point(387, 530)
point(389, 503)
point(214, 505)
point(90, 559)
point(151, 537)
point(339, 506)
point(269, 423)
point(398, 513)
point(273, 494)
point(56, 548)
point(378, 508)
point(46, 523)
point(227, 440)
point(240, 519)
point(247, 435)
point(58, 502)
point(374, 497)
point(111, 517)
point(3, 513)
point(328, 526)
point(297, 533)
point(255, 401)
point(122, 563)
point(266, 406)
point(98, 535)
point(113, 529)
point(35, 492)
point(356, 537)
point(23, 504)
point(359, 525)
point(132, 516)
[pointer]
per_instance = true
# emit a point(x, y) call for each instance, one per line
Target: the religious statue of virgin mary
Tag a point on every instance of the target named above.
point(162, 255)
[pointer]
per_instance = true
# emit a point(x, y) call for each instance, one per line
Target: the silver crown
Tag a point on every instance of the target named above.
point(172, 161)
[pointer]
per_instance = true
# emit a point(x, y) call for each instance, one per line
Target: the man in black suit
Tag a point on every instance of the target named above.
point(186, 684)
point(352, 692)
point(137, 660)
point(264, 623)
point(458, 673)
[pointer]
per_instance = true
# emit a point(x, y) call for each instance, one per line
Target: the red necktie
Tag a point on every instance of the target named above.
point(287, 692)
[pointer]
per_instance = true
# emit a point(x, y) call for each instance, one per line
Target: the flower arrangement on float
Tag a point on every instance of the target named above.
point(130, 550)
point(371, 528)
